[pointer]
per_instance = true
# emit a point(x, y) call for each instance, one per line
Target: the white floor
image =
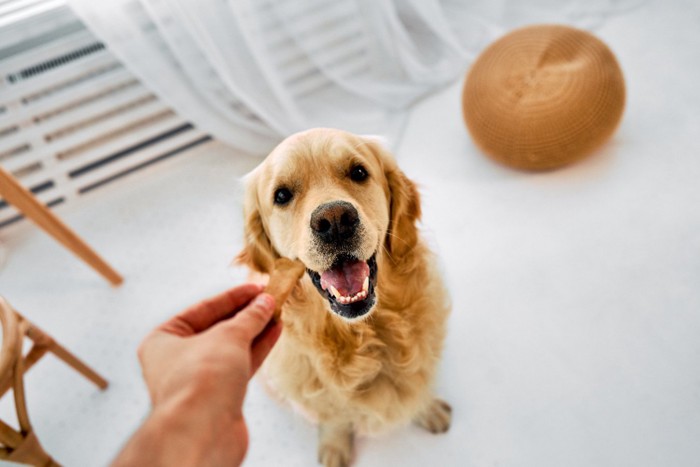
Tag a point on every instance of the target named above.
point(575, 338)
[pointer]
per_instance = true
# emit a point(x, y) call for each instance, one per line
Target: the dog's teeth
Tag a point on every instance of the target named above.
point(355, 298)
point(345, 300)
point(335, 292)
point(365, 285)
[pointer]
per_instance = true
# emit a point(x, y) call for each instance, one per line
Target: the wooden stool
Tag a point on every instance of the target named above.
point(22, 445)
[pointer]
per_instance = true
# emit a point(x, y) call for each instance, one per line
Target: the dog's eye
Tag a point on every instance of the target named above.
point(358, 174)
point(283, 196)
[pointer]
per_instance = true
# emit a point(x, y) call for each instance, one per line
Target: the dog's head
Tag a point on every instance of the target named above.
point(337, 202)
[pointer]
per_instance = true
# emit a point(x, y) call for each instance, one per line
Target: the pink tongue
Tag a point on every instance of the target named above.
point(347, 278)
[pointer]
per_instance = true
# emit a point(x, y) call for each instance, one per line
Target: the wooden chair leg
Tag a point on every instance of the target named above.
point(21, 198)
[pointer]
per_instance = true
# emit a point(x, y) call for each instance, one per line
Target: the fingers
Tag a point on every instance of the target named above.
point(250, 321)
point(263, 344)
point(203, 315)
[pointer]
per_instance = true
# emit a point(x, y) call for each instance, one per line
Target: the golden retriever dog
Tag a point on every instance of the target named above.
point(364, 328)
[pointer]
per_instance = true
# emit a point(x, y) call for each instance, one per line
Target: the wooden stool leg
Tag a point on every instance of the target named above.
point(31, 452)
point(36, 352)
point(14, 193)
point(43, 340)
point(8, 436)
point(77, 364)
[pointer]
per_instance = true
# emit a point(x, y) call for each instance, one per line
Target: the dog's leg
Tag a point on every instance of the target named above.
point(335, 444)
point(436, 417)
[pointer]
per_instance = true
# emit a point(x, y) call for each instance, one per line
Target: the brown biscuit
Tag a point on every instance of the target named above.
point(283, 278)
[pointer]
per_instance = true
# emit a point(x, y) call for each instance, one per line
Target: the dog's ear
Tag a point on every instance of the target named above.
point(404, 213)
point(404, 204)
point(258, 252)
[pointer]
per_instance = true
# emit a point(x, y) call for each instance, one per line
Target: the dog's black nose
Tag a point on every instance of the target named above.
point(335, 222)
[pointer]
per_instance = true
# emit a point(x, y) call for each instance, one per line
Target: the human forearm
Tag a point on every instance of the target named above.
point(186, 432)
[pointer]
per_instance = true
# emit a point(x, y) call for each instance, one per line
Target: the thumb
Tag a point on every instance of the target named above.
point(251, 320)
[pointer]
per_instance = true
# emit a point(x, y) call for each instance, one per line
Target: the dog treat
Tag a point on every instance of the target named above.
point(283, 278)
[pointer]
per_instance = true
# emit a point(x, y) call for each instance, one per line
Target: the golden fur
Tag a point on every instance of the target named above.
point(364, 375)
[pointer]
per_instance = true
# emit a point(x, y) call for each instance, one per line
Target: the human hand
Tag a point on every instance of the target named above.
point(197, 366)
point(201, 347)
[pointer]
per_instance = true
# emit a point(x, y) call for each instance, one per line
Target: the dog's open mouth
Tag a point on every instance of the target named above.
point(348, 285)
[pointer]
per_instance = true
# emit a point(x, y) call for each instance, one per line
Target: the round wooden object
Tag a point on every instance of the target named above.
point(543, 96)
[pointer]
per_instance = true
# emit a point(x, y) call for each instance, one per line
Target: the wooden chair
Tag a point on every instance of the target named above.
point(21, 198)
point(22, 445)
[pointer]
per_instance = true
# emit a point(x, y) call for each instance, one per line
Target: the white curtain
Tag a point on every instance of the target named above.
point(251, 72)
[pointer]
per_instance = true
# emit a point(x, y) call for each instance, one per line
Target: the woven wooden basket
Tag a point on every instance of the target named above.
point(543, 97)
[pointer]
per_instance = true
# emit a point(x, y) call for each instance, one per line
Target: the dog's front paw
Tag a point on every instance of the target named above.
point(333, 456)
point(335, 445)
point(436, 417)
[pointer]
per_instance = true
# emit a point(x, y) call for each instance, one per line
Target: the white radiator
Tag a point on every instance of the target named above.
point(71, 117)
